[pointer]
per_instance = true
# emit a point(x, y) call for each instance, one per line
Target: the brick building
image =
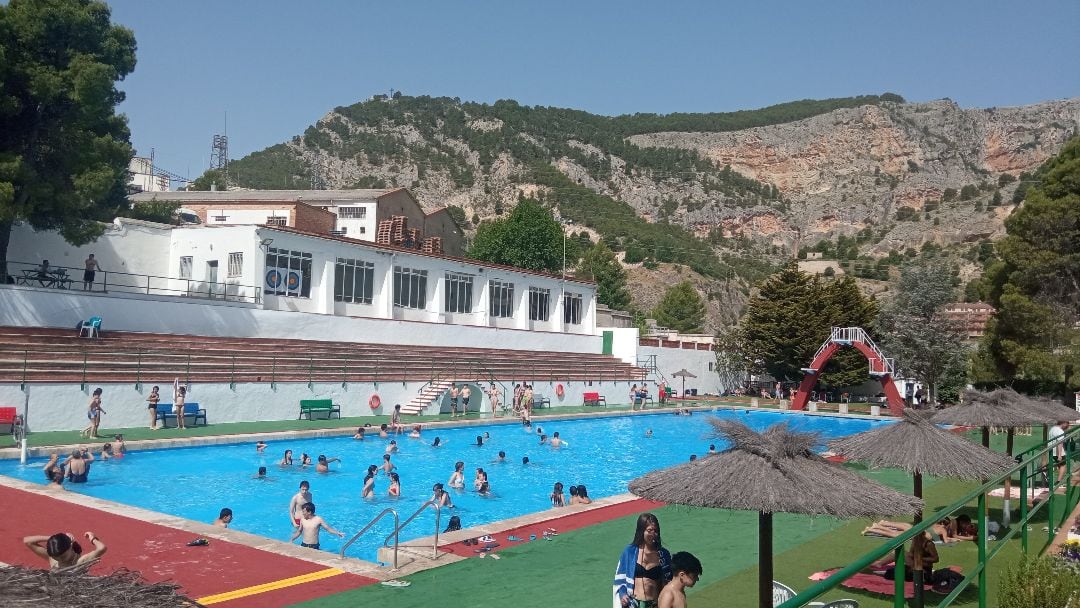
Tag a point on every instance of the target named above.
point(970, 317)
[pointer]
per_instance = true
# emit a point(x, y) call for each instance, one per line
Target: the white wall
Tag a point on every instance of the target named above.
point(37, 307)
point(127, 246)
point(671, 360)
point(624, 344)
point(62, 407)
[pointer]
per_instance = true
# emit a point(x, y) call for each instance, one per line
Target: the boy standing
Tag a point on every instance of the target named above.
point(309, 527)
point(302, 497)
point(687, 570)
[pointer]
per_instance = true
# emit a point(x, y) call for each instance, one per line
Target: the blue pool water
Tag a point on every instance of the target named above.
point(604, 454)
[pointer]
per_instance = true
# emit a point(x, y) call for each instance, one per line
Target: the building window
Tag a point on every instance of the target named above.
point(221, 218)
point(363, 230)
point(410, 287)
point(354, 281)
point(288, 273)
point(458, 292)
point(572, 308)
point(274, 220)
point(352, 213)
point(539, 300)
point(185, 267)
point(236, 264)
point(501, 297)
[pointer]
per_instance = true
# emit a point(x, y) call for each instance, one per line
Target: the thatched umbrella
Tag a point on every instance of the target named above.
point(684, 374)
point(1002, 408)
point(775, 471)
point(1053, 411)
point(917, 446)
point(74, 588)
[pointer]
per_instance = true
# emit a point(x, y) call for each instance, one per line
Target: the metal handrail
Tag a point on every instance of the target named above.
point(399, 528)
point(203, 289)
point(896, 545)
point(368, 527)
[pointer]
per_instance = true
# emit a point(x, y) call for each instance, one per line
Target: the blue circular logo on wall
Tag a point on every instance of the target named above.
point(273, 278)
point(293, 282)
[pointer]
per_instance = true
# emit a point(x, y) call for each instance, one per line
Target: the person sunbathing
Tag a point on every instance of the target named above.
point(891, 529)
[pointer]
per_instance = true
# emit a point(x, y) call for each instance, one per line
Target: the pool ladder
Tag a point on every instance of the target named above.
point(398, 527)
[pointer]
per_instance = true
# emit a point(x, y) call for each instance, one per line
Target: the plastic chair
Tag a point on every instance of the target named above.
point(92, 328)
point(780, 592)
point(842, 604)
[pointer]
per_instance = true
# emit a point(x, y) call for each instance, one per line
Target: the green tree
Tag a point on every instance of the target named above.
point(783, 325)
point(64, 152)
point(681, 309)
point(528, 238)
point(600, 264)
point(915, 332)
point(731, 362)
point(163, 212)
point(844, 305)
point(213, 178)
point(1035, 285)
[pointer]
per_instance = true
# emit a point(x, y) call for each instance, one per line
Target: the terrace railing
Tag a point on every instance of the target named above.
point(111, 281)
point(1029, 467)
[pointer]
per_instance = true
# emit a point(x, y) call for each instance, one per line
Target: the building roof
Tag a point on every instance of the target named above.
point(969, 307)
point(308, 196)
point(374, 245)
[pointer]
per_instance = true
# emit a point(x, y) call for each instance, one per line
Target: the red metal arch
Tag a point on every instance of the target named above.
point(880, 367)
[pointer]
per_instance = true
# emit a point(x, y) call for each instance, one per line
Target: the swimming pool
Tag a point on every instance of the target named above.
point(603, 453)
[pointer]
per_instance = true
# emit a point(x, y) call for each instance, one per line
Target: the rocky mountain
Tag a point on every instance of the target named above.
point(726, 195)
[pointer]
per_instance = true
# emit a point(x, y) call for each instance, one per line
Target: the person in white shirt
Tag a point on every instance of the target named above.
point(1056, 441)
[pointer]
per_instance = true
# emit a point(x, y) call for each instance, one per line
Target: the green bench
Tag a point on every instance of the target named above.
point(315, 408)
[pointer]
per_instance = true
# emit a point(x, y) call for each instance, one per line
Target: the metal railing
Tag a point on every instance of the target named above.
point(109, 281)
point(384, 512)
point(1028, 467)
point(399, 528)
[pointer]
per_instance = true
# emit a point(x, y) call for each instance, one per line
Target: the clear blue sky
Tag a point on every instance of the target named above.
point(277, 66)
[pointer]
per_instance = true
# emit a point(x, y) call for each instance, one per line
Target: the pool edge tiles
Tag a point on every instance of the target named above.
point(12, 453)
point(351, 565)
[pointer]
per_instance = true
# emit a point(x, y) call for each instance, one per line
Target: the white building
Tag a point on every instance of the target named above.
point(143, 177)
point(281, 268)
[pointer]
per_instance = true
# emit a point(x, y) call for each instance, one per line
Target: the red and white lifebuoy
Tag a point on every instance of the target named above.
point(374, 402)
point(559, 390)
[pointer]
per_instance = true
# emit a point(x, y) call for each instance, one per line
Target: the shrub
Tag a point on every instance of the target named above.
point(1044, 581)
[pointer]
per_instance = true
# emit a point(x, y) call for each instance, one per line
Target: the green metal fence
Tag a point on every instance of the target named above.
point(1031, 466)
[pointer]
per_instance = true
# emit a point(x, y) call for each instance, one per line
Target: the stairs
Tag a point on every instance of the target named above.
point(427, 396)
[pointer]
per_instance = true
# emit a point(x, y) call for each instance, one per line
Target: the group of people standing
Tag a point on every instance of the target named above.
point(94, 410)
point(648, 575)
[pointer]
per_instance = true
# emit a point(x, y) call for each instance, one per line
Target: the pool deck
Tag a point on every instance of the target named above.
point(241, 569)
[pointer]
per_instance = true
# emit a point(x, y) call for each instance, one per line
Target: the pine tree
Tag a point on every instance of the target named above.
point(600, 264)
point(784, 323)
point(846, 306)
point(681, 309)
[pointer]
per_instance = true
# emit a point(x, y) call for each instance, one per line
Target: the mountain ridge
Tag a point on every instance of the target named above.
point(730, 202)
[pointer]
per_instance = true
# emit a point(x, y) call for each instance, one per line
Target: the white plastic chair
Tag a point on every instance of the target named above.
point(781, 593)
point(842, 604)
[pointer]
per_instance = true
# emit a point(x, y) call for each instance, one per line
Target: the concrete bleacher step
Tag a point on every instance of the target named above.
point(57, 355)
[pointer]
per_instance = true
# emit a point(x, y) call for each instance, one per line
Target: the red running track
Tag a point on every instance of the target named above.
point(160, 553)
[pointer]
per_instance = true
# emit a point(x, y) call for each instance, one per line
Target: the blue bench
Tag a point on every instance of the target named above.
point(192, 412)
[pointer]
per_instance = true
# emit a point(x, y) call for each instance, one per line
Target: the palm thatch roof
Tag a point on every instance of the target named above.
point(775, 471)
point(1003, 408)
point(74, 588)
point(916, 445)
point(1053, 411)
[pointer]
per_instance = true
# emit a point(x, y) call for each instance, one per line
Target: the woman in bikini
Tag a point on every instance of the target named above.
point(457, 478)
point(395, 485)
point(178, 407)
point(286, 460)
point(644, 567)
point(153, 400)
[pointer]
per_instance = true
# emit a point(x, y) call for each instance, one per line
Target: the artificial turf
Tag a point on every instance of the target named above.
point(577, 567)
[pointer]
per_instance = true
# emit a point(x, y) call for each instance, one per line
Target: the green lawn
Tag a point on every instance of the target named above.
point(577, 567)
